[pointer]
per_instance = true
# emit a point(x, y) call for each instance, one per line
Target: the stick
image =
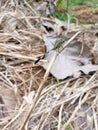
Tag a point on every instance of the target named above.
point(38, 93)
point(42, 83)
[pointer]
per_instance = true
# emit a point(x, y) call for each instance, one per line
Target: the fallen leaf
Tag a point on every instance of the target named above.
point(8, 21)
point(48, 27)
point(68, 62)
point(47, 8)
point(85, 119)
point(28, 98)
point(1, 108)
point(95, 48)
point(9, 99)
point(42, 8)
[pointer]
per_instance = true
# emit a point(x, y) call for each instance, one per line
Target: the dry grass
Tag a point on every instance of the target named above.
point(30, 99)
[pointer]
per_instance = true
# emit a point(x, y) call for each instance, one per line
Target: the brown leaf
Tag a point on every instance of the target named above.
point(9, 99)
point(95, 48)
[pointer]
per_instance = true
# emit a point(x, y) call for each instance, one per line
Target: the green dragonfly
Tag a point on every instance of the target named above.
point(58, 44)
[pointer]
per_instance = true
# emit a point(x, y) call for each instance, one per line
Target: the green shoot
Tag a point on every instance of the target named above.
point(57, 80)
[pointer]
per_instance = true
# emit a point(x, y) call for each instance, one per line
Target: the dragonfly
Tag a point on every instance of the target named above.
point(56, 46)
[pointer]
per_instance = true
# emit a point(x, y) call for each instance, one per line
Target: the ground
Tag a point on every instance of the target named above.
point(31, 98)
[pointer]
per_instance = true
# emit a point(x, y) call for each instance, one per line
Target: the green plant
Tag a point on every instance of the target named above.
point(57, 80)
point(66, 4)
point(61, 4)
point(94, 5)
point(68, 127)
point(69, 5)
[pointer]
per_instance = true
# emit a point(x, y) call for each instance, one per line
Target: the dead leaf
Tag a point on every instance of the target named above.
point(95, 48)
point(50, 8)
point(42, 8)
point(47, 8)
point(69, 62)
point(85, 119)
point(28, 98)
point(9, 99)
point(1, 108)
point(48, 28)
point(8, 21)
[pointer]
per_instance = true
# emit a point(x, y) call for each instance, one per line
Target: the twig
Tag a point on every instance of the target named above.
point(68, 23)
point(60, 116)
point(38, 93)
point(18, 56)
point(29, 6)
point(95, 119)
point(75, 111)
point(83, 100)
point(42, 123)
point(31, 33)
point(37, 17)
point(42, 83)
point(14, 118)
point(72, 38)
point(82, 43)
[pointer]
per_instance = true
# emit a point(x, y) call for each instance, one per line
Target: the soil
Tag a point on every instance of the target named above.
point(86, 14)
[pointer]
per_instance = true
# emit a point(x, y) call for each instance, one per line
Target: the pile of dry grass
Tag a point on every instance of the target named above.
point(29, 98)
